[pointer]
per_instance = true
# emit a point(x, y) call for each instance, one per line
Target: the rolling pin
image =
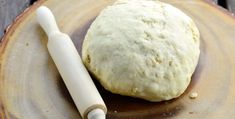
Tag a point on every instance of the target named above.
point(76, 78)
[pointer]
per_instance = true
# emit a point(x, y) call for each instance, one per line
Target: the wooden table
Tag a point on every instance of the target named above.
point(9, 9)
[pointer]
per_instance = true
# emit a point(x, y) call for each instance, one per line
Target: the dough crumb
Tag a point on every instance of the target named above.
point(193, 95)
point(115, 111)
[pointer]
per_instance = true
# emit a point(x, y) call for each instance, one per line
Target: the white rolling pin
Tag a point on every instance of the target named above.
point(69, 63)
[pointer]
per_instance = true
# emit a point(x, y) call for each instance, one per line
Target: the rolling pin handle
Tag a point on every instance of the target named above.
point(47, 20)
point(96, 114)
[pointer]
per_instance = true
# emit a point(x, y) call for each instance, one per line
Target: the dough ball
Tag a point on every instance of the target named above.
point(142, 48)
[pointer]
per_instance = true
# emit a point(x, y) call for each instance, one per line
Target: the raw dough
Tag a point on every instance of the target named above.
point(142, 48)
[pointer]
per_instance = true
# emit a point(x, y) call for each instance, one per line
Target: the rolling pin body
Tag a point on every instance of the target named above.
point(68, 62)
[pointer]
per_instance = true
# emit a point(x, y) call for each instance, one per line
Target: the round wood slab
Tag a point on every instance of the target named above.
point(31, 87)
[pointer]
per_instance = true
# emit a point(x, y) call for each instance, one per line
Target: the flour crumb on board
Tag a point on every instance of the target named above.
point(193, 95)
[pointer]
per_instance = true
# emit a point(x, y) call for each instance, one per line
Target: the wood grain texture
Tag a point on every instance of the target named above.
point(31, 87)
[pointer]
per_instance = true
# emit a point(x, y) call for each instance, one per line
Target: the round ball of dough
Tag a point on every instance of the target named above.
point(142, 48)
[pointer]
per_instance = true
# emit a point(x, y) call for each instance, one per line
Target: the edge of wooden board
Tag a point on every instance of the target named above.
point(11, 28)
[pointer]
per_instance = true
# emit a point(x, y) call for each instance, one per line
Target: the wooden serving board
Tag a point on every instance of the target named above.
point(31, 87)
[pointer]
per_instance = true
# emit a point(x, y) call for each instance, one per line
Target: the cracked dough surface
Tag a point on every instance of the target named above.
point(142, 48)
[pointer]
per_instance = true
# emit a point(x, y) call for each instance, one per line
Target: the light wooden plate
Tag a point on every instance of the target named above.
point(31, 87)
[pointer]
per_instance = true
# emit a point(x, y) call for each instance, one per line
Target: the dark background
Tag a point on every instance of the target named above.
point(9, 9)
